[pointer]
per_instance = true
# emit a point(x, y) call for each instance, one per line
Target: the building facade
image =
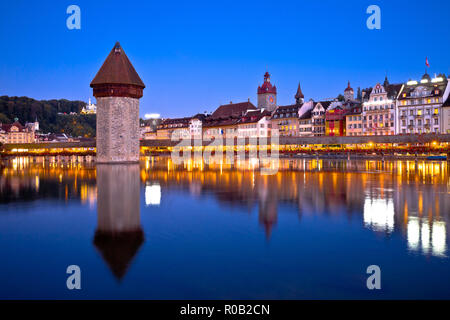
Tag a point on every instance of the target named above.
point(354, 122)
point(419, 105)
point(335, 121)
point(174, 128)
point(305, 125)
point(17, 133)
point(318, 117)
point(379, 111)
point(285, 120)
point(446, 116)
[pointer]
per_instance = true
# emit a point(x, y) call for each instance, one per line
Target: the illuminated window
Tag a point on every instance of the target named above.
point(436, 111)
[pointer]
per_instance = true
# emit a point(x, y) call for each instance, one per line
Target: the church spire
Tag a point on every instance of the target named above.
point(299, 97)
point(385, 83)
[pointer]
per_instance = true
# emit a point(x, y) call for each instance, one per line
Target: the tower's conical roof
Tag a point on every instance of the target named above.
point(117, 69)
point(118, 249)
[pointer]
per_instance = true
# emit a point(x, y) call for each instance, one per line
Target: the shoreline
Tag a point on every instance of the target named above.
point(362, 157)
point(336, 156)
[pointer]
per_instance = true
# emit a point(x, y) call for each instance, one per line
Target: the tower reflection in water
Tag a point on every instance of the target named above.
point(119, 234)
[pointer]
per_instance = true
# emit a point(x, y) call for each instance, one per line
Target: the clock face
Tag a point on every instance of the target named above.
point(270, 99)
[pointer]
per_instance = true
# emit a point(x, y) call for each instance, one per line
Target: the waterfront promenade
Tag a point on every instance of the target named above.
point(426, 144)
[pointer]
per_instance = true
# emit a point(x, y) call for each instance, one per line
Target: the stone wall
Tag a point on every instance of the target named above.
point(117, 129)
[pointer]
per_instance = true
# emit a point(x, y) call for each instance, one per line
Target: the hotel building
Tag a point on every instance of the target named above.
point(378, 112)
point(17, 133)
point(419, 105)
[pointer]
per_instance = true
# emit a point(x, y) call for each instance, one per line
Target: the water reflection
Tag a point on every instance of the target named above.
point(119, 233)
point(388, 196)
point(152, 194)
point(410, 198)
point(426, 237)
point(379, 214)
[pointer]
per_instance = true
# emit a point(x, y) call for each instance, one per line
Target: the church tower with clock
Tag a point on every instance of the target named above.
point(267, 94)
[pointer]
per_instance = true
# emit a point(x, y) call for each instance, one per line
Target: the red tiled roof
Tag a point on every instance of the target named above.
point(254, 116)
point(267, 86)
point(7, 127)
point(117, 69)
point(232, 110)
point(218, 122)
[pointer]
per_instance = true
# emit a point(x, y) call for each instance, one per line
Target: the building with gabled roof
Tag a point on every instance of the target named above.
point(255, 123)
point(16, 133)
point(173, 128)
point(232, 110)
point(223, 121)
point(318, 116)
point(379, 113)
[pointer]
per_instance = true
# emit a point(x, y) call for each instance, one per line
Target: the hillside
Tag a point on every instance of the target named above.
point(53, 115)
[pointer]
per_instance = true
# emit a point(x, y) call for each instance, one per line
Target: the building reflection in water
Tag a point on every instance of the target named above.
point(426, 237)
point(389, 196)
point(379, 214)
point(119, 234)
point(152, 194)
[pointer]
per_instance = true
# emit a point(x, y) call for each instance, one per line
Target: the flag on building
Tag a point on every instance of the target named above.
point(426, 62)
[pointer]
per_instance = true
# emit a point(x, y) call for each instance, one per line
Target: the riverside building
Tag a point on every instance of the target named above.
point(379, 111)
point(419, 105)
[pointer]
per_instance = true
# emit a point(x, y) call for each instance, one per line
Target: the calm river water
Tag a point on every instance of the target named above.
point(197, 231)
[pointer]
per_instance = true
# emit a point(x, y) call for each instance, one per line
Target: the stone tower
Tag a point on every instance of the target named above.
point(349, 94)
point(117, 88)
point(267, 94)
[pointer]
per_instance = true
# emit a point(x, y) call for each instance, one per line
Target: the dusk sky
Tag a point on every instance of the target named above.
point(195, 55)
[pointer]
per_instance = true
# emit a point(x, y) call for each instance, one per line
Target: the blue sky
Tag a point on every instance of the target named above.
point(195, 55)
